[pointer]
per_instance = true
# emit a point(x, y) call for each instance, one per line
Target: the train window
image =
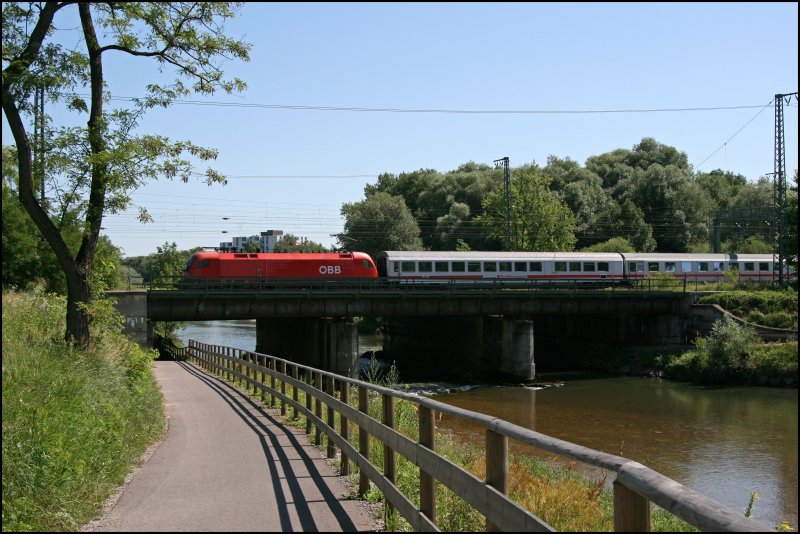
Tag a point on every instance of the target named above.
point(588, 267)
point(717, 266)
point(408, 266)
point(560, 267)
point(254, 255)
point(602, 266)
point(686, 266)
point(489, 267)
point(763, 267)
point(749, 267)
point(396, 266)
point(442, 267)
point(574, 266)
point(669, 266)
point(652, 266)
point(733, 266)
point(203, 264)
point(535, 266)
point(505, 266)
point(425, 266)
point(474, 267)
point(189, 264)
point(240, 255)
point(520, 266)
point(632, 266)
point(702, 266)
point(366, 264)
point(458, 266)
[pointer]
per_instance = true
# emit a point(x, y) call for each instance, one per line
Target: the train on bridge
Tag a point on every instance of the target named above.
point(207, 267)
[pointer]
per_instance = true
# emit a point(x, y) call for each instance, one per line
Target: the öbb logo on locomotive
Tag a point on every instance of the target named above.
point(330, 269)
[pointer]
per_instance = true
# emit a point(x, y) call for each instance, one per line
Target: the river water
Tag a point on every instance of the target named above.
point(722, 442)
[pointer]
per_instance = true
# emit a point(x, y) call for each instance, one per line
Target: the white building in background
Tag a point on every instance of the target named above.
point(266, 241)
point(269, 239)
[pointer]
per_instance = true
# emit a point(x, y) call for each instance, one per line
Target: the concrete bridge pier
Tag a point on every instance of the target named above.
point(517, 352)
point(324, 343)
point(463, 347)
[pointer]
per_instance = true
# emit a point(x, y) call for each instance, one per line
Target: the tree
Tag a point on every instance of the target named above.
point(448, 226)
point(379, 222)
point(791, 224)
point(104, 161)
point(722, 186)
point(28, 259)
point(540, 220)
point(581, 190)
point(251, 246)
point(292, 243)
point(615, 244)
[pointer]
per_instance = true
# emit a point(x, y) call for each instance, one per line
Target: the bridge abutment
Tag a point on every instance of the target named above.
point(324, 343)
point(133, 306)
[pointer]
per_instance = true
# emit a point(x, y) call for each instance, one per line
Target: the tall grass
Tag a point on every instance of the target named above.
point(73, 423)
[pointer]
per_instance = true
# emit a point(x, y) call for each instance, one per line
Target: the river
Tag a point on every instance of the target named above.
point(722, 442)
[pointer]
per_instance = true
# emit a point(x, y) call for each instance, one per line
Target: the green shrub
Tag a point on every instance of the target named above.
point(727, 348)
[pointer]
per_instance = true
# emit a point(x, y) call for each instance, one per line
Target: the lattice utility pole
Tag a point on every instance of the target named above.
point(780, 181)
point(507, 179)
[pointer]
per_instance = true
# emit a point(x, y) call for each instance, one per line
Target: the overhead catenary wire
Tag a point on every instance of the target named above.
point(432, 110)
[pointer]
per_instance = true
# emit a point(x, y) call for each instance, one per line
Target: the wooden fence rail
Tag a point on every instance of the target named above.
point(635, 487)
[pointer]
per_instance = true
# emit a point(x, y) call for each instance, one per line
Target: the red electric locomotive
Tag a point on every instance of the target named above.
point(217, 269)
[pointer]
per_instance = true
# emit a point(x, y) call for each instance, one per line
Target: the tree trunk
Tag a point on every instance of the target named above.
point(78, 297)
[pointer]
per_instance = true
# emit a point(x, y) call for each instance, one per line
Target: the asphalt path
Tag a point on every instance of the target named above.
point(228, 464)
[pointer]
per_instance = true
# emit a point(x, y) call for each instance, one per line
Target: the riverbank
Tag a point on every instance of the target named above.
point(731, 355)
point(74, 423)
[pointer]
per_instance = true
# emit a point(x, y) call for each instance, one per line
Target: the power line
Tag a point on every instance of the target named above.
point(737, 133)
point(435, 110)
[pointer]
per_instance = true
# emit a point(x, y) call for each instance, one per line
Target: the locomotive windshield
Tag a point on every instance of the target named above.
point(188, 264)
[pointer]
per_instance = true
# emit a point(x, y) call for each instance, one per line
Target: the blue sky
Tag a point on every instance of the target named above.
point(292, 169)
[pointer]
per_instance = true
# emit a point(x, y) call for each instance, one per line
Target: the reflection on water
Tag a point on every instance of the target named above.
point(238, 334)
point(722, 442)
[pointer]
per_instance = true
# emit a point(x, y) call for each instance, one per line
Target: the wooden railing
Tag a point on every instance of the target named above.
point(635, 486)
point(166, 347)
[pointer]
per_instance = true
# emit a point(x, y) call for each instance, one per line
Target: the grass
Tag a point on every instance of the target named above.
point(73, 423)
point(774, 308)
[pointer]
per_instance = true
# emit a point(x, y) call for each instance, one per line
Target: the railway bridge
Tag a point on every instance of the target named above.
point(477, 329)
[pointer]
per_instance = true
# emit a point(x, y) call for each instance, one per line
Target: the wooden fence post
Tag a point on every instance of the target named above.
point(389, 465)
point(263, 380)
point(363, 439)
point(496, 466)
point(309, 376)
point(274, 368)
point(631, 510)
point(283, 386)
point(331, 387)
point(344, 430)
point(294, 392)
point(427, 485)
point(318, 409)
